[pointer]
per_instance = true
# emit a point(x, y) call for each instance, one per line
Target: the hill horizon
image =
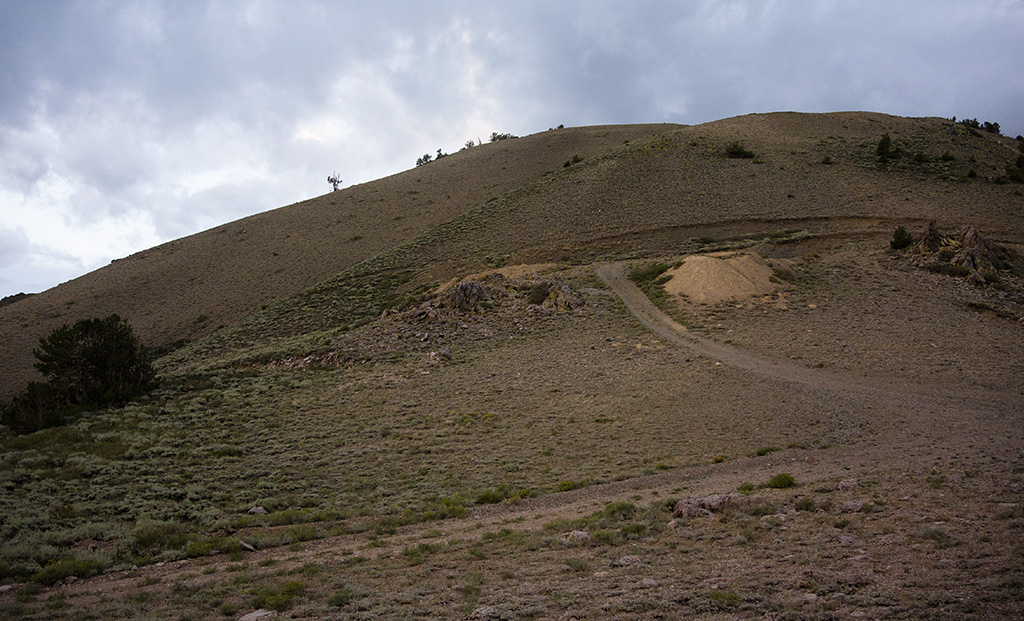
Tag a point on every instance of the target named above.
point(300, 245)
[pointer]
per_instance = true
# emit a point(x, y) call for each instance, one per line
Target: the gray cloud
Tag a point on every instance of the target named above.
point(169, 117)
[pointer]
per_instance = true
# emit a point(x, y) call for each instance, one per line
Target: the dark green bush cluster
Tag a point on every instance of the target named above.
point(992, 128)
point(92, 364)
point(427, 158)
point(901, 238)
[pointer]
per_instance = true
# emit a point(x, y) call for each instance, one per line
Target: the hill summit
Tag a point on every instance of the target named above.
point(570, 195)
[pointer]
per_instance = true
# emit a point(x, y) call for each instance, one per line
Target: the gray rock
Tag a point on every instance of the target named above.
point(259, 614)
point(626, 561)
point(847, 485)
point(257, 511)
point(574, 537)
point(852, 506)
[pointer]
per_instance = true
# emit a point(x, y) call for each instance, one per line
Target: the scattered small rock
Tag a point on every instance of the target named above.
point(626, 561)
point(707, 505)
point(484, 612)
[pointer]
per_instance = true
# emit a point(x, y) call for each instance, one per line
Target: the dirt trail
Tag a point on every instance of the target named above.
point(899, 389)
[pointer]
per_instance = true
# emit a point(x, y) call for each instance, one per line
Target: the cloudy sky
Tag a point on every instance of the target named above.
point(127, 123)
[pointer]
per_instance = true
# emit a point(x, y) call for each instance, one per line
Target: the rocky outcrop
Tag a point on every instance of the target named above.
point(709, 505)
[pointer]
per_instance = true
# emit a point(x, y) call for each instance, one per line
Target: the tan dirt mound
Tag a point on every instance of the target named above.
point(713, 278)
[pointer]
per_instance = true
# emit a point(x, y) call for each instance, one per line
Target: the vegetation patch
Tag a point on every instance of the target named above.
point(279, 597)
point(781, 481)
point(651, 278)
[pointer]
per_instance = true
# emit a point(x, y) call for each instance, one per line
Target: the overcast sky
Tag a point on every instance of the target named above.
point(124, 124)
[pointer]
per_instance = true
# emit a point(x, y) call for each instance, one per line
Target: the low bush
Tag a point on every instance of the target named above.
point(781, 481)
point(884, 148)
point(56, 571)
point(502, 493)
point(278, 598)
point(738, 150)
point(901, 238)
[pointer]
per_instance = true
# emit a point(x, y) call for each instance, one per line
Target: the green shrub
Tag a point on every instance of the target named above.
point(725, 598)
point(279, 598)
point(781, 481)
point(155, 537)
point(805, 504)
point(604, 537)
point(502, 493)
point(635, 529)
point(344, 596)
point(901, 238)
point(56, 571)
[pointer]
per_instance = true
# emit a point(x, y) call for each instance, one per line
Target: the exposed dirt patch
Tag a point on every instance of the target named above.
point(720, 277)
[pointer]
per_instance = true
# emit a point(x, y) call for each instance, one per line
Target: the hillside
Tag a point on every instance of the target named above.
point(184, 289)
point(506, 411)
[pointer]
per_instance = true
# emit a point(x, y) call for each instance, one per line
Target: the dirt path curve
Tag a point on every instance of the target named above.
point(900, 389)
